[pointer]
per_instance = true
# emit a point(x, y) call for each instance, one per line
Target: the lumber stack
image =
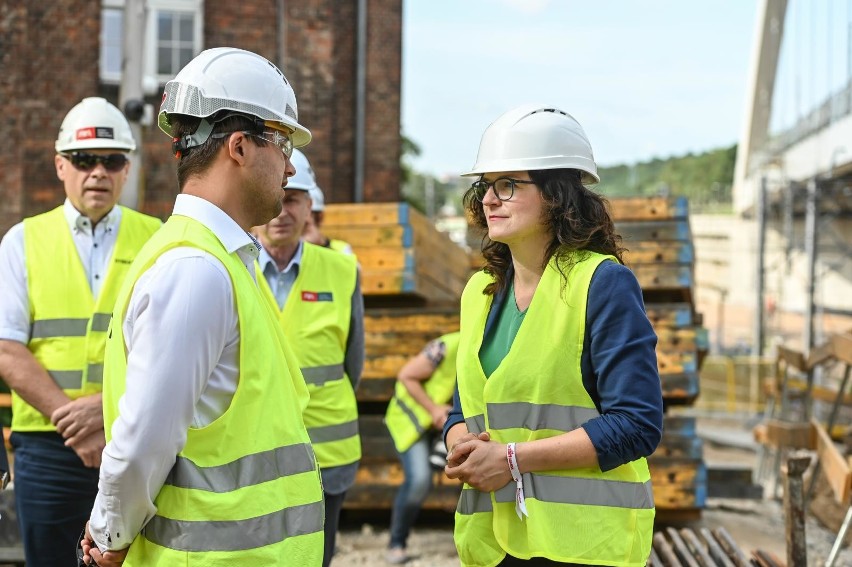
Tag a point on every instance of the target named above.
point(660, 252)
point(401, 254)
point(412, 277)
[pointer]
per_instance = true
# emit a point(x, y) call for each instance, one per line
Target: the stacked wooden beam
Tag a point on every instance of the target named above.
point(660, 252)
point(400, 252)
point(412, 277)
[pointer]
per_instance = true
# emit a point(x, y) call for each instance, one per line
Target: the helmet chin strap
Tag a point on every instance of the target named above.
point(181, 144)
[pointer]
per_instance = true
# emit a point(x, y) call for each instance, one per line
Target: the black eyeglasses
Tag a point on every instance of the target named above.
point(86, 162)
point(504, 188)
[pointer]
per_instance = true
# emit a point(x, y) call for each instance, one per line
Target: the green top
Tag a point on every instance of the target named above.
point(498, 341)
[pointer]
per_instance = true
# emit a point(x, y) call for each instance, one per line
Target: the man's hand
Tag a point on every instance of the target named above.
point(481, 463)
point(79, 418)
point(90, 448)
point(93, 556)
point(439, 415)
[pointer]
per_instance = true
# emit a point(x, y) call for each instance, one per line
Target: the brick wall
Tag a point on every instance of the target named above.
point(49, 55)
point(43, 45)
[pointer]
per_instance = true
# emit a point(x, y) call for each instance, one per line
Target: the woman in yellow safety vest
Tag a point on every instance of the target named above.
point(558, 398)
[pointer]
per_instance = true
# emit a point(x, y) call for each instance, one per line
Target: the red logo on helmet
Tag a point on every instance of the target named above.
point(165, 96)
point(85, 133)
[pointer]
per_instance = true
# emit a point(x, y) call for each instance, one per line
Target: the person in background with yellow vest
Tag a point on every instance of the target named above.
point(317, 295)
point(559, 399)
point(313, 226)
point(208, 461)
point(59, 274)
point(419, 406)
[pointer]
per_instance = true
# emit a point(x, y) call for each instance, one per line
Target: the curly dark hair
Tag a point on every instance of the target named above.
point(195, 161)
point(578, 218)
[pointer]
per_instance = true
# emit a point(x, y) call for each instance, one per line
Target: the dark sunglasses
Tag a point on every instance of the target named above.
point(87, 162)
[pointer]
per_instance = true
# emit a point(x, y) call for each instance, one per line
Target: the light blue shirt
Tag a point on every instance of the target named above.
point(280, 281)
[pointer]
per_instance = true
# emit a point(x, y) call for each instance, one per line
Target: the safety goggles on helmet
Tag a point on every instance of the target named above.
point(85, 161)
point(277, 137)
point(504, 188)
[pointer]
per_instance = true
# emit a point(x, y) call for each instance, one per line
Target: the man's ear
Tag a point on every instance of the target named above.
point(237, 147)
point(60, 164)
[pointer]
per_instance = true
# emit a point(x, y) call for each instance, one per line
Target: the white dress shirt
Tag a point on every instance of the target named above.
point(182, 338)
point(93, 246)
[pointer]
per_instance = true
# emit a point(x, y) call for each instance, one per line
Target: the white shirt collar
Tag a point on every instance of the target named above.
point(224, 227)
point(265, 259)
point(78, 222)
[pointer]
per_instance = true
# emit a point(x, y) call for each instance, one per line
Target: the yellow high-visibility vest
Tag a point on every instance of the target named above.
point(339, 245)
point(575, 515)
point(245, 489)
point(68, 323)
point(315, 319)
point(406, 419)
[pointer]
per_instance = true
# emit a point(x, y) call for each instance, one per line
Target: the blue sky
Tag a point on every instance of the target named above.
point(645, 79)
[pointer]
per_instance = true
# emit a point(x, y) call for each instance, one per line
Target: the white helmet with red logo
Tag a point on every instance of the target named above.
point(94, 124)
point(227, 78)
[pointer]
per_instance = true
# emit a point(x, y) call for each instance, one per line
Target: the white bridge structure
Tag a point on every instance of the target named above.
point(791, 234)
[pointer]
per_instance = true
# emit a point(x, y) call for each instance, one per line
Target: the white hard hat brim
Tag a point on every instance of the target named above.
point(535, 164)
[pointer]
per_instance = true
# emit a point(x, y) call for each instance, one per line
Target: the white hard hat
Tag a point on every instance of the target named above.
point(534, 137)
point(93, 124)
point(317, 198)
point(304, 179)
point(227, 78)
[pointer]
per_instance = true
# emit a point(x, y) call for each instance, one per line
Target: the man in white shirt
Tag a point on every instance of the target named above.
point(207, 457)
point(60, 272)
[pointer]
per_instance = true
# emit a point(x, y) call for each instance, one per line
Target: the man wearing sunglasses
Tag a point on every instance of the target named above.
point(60, 273)
point(208, 460)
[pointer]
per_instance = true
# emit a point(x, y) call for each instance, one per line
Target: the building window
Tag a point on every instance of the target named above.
point(175, 41)
point(173, 36)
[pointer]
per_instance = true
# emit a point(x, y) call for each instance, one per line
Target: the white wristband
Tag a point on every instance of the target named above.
point(520, 502)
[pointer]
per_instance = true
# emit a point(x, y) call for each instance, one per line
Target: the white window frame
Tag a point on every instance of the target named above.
point(153, 7)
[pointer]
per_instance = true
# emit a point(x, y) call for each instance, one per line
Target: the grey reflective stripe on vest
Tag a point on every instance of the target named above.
point(538, 416)
point(95, 374)
point(573, 490)
point(67, 379)
point(246, 471)
point(565, 490)
point(319, 375)
point(235, 535)
point(472, 501)
point(49, 328)
point(73, 379)
point(100, 322)
point(475, 424)
point(410, 414)
point(328, 433)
